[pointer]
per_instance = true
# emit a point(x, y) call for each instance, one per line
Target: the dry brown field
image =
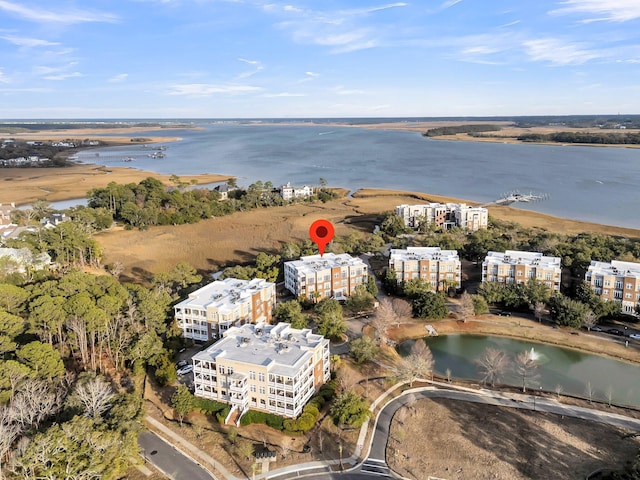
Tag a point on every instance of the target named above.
point(26, 185)
point(461, 440)
point(238, 238)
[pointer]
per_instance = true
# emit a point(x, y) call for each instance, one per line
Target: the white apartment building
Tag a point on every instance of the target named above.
point(514, 266)
point(438, 267)
point(444, 215)
point(214, 308)
point(272, 368)
point(616, 281)
point(330, 276)
point(289, 193)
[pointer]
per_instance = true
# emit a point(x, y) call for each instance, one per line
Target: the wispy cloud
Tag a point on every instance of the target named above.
point(283, 95)
point(28, 42)
point(559, 52)
point(207, 89)
point(255, 63)
point(312, 74)
point(118, 78)
point(63, 76)
point(40, 15)
point(340, 90)
point(601, 10)
point(3, 77)
point(345, 30)
point(449, 4)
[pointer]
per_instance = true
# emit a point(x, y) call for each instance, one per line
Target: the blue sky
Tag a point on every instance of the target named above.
point(321, 58)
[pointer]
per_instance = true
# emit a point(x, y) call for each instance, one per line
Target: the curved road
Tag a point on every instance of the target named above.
point(166, 458)
point(374, 466)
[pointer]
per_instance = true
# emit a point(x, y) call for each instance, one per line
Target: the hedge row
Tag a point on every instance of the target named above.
point(303, 423)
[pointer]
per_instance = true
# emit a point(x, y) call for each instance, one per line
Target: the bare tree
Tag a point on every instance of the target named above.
point(609, 394)
point(401, 310)
point(492, 365)
point(589, 320)
point(589, 391)
point(346, 379)
point(116, 269)
point(285, 445)
point(466, 309)
point(383, 319)
point(9, 432)
point(559, 389)
point(418, 364)
point(525, 368)
point(538, 311)
point(95, 395)
point(34, 402)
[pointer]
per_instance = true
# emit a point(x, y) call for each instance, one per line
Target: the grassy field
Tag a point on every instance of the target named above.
point(238, 238)
point(26, 185)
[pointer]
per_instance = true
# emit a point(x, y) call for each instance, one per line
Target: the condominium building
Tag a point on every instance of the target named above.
point(272, 368)
point(332, 275)
point(439, 267)
point(616, 281)
point(444, 215)
point(514, 266)
point(214, 308)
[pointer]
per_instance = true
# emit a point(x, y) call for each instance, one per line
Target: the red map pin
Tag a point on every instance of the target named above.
point(321, 232)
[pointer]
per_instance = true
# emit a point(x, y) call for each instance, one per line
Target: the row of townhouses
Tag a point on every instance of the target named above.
point(444, 215)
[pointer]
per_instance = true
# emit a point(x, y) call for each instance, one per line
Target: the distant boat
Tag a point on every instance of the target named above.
point(157, 155)
point(326, 133)
point(127, 159)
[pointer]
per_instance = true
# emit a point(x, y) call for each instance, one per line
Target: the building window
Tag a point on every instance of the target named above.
point(605, 292)
point(221, 369)
point(262, 390)
point(629, 286)
point(253, 388)
point(607, 283)
point(548, 276)
point(519, 273)
point(261, 377)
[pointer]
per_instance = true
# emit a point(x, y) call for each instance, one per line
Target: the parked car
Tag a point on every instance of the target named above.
point(635, 336)
point(615, 331)
point(504, 313)
point(596, 329)
point(182, 363)
point(185, 370)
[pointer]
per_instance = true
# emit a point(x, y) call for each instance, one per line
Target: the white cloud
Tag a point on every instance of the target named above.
point(603, 10)
point(63, 76)
point(3, 77)
point(206, 89)
point(340, 90)
point(258, 68)
point(557, 52)
point(449, 3)
point(283, 94)
point(118, 78)
point(28, 42)
point(41, 15)
point(312, 74)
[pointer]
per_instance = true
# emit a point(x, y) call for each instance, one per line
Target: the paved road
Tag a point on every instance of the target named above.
point(169, 460)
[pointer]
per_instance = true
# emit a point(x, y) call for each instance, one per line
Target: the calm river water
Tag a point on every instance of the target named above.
point(570, 369)
point(586, 183)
